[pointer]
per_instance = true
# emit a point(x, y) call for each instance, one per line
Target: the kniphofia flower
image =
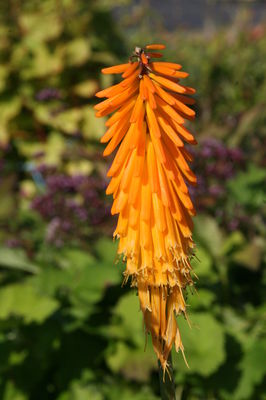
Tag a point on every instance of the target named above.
point(149, 176)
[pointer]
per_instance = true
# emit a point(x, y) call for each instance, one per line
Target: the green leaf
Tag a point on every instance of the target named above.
point(248, 188)
point(251, 255)
point(35, 25)
point(92, 127)
point(209, 234)
point(16, 259)
point(11, 392)
point(127, 322)
point(86, 88)
point(42, 63)
point(128, 393)
point(201, 299)
point(203, 264)
point(77, 51)
point(134, 363)
point(106, 250)
point(79, 391)
point(22, 300)
point(203, 343)
point(52, 149)
point(67, 121)
point(253, 368)
point(81, 277)
point(3, 76)
point(235, 240)
point(8, 110)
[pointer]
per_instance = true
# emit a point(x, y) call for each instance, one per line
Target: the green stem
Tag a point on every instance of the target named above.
point(167, 384)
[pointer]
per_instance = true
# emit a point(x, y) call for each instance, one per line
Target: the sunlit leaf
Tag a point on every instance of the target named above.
point(8, 110)
point(86, 88)
point(92, 127)
point(22, 300)
point(204, 344)
point(42, 63)
point(35, 26)
point(77, 51)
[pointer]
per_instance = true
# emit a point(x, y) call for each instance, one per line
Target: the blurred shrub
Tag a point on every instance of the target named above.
point(51, 57)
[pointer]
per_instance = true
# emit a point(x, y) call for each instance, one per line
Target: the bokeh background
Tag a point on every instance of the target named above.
point(68, 331)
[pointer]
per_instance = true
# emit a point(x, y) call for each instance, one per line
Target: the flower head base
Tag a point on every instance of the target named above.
point(148, 183)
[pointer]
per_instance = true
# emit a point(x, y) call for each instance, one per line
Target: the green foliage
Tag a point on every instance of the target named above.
point(50, 64)
point(205, 356)
point(21, 300)
point(253, 367)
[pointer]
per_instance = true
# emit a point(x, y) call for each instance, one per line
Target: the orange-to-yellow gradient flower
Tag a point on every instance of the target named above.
point(148, 183)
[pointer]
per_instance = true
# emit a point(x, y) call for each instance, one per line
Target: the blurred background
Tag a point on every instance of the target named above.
point(67, 329)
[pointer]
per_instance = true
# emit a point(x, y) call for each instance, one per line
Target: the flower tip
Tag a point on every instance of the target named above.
point(104, 71)
point(155, 46)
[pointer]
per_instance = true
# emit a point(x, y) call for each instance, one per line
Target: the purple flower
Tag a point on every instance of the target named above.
point(47, 94)
point(70, 204)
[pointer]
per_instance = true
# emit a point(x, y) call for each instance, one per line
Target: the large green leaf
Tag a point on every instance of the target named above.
point(127, 322)
point(22, 300)
point(253, 368)
point(81, 277)
point(203, 343)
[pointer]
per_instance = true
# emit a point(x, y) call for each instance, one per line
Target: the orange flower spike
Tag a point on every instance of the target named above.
point(148, 183)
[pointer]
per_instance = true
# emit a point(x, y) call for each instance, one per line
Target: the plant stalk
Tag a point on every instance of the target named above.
point(167, 384)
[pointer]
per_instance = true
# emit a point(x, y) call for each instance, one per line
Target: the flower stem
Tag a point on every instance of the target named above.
point(167, 384)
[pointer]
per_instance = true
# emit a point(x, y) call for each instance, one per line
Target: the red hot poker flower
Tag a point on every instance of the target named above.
point(148, 183)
